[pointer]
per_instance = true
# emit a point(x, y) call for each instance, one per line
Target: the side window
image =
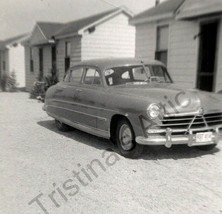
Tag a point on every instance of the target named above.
point(76, 75)
point(126, 75)
point(92, 77)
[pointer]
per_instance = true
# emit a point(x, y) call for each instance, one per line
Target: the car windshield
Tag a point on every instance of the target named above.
point(136, 75)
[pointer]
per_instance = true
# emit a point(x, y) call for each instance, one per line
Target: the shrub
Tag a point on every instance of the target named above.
point(40, 87)
point(12, 82)
point(8, 82)
point(38, 90)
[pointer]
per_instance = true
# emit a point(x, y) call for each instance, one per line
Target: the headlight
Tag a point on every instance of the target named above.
point(153, 111)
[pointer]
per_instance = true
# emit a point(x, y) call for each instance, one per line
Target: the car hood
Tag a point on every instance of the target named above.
point(172, 97)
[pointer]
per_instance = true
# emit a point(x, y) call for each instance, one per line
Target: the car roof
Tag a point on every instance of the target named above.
point(107, 63)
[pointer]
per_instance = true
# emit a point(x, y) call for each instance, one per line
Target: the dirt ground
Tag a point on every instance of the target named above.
point(44, 171)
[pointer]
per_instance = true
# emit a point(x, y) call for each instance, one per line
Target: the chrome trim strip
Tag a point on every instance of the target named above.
point(79, 104)
point(85, 128)
point(191, 113)
point(193, 130)
point(102, 118)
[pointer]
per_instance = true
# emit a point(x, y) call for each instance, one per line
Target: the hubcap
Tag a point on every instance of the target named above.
point(125, 137)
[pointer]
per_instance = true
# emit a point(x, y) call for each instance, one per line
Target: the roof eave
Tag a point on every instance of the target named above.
point(47, 42)
point(195, 14)
point(82, 30)
point(64, 36)
point(151, 19)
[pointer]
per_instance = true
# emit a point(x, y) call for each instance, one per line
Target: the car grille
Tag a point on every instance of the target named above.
point(192, 122)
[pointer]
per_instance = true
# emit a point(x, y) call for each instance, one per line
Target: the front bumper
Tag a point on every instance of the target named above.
point(189, 139)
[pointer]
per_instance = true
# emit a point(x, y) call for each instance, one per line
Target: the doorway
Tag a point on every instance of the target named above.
point(41, 64)
point(207, 56)
point(53, 52)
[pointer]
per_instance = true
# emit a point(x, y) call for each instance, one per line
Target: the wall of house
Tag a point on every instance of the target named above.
point(183, 52)
point(61, 53)
point(182, 48)
point(219, 60)
point(31, 77)
point(112, 38)
point(17, 63)
point(47, 59)
point(145, 41)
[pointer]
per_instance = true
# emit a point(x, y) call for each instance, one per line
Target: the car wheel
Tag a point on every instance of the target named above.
point(125, 140)
point(62, 126)
point(207, 147)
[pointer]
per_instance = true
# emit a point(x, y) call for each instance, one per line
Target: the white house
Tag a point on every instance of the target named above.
point(187, 36)
point(107, 34)
point(12, 58)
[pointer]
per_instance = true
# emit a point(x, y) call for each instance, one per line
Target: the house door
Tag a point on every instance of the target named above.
point(207, 57)
point(40, 64)
point(53, 57)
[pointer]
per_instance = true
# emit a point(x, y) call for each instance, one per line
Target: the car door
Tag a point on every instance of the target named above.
point(89, 97)
point(58, 104)
point(70, 95)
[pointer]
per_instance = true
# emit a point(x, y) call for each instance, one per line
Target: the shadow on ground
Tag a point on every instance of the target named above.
point(149, 153)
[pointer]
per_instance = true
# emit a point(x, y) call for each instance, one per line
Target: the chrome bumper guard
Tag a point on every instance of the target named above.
point(189, 139)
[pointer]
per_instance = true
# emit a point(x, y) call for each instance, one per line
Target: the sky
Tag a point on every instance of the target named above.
point(19, 16)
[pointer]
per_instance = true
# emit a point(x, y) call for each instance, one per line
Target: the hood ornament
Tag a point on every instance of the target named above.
point(201, 111)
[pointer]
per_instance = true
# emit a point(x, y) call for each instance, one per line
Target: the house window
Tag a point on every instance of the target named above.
point(68, 49)
point(67, 55)
point(162, 44)
point(31, 60)
point(40, 64)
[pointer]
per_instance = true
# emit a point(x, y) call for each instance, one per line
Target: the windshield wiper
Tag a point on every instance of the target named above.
point(146, 71)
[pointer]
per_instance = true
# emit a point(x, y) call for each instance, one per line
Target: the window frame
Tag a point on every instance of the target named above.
point(69, 72)
point(100, 75)
point(66, 49)
point(160, 51)
point(31, 60)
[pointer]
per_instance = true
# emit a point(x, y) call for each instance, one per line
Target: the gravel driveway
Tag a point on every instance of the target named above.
point(44, 171)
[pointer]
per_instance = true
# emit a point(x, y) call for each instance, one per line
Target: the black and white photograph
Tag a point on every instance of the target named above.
point(111, 106)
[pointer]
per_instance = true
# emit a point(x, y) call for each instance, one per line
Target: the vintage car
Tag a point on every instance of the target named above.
point(134, 103)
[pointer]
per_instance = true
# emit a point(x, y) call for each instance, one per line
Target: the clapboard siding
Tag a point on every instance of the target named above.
point(183, 52)
point(47, 59)
point(145, 41)
point(219, 60)
point(75, 53)
point(113, 38)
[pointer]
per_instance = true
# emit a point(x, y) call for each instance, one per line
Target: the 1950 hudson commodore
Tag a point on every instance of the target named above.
point(134, 103)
